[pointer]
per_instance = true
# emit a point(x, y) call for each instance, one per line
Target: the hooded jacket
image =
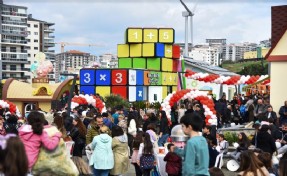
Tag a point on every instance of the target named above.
point(32, 142)
point(93, 130)
point(121, 155)
point(102, 157)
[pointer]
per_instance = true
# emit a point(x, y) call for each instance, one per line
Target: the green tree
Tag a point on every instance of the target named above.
point(115, 100)
point(255, 69)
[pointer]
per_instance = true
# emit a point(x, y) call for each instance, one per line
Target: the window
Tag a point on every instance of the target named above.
point(28, 40)
point(35, 33)
point(29, 55)
point(35, 25)
point(3, 67)
point(13, 75)
point(36, 41)
point(35, 48)
point(13, 49)
point(28, 25)
point(12, 67)
point(3, 48)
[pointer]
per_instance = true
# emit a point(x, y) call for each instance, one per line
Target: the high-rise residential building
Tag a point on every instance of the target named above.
point(216, 41)
point(235, 52)
point(14, 58)
point(72, 61)
point(108, 61)
point(41, 39)
point(206, 53)
point(265, 43)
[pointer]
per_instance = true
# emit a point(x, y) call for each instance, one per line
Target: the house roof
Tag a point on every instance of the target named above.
point(76, 52)
point(208, 68)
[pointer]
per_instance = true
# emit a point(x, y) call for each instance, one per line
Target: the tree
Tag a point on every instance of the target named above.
point(255, 69)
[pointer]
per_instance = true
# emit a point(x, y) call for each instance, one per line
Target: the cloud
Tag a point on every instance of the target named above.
point(105, 22)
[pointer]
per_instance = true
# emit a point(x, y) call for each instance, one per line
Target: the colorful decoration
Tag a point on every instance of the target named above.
point(88, 100)
point(219, 79)
point(41, 67)
point(201, 96)
point(12, 107)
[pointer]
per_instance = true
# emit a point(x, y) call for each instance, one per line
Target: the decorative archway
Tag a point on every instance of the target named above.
point(202, 97)
point(88, 100)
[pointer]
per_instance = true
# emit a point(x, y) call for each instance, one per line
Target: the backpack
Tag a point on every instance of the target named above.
point(147, 161)
point(242, 110)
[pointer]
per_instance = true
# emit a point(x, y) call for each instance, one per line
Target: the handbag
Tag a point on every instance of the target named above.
point(147, 161)
point(154, 171)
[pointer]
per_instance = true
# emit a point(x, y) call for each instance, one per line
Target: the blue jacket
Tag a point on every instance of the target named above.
point(102, 157)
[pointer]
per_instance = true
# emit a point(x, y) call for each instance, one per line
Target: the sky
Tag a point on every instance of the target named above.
point(104, 21)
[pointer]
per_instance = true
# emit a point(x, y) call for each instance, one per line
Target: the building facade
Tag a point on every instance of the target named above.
point(259, 53)
point(14, 61)
point(206, 53)
point(72, 61)
point(108, 61)
point(41, 39)
point(234, 52)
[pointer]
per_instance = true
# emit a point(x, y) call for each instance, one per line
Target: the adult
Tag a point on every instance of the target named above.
point(163, 129)
point(270, 114)
point(34, 136)
point(244, 143)
point(281, 137)
point(116, 115)
point(78, 134)
point(264, 140)
point(11, 124)
point(102, 158)
point(181, 112)
point(59, 123)
point(283, 113)
point(132, 129)
point(259, 109)
point(120, 151)
point(94, 129)
point(2, 128)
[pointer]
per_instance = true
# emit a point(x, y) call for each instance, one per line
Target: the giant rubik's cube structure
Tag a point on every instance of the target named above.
point(148, 63)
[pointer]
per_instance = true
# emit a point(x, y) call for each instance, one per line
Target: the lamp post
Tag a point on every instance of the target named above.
point(72, 89)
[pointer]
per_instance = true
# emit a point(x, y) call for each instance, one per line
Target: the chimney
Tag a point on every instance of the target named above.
point(279, 23)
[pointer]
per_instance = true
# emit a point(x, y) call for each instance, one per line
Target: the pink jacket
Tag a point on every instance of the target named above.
point(33, 142)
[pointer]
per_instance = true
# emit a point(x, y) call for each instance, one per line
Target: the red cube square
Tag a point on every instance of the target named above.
point(119, 77)
point(120, 90)
point(175, 65)
point(175, 51)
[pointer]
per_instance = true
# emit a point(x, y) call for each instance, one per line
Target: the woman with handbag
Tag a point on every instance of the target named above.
point(33, 136)
point(147, 157)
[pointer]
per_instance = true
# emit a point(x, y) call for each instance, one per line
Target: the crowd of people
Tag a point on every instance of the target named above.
point(120, 137)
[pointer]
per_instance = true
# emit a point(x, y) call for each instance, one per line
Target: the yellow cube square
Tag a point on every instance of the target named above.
point(150, 35)
point(123, 50)
point(169, 65)
point(174, 88)
point(103, 90)
point(135, 50)
point(166, 35)
point(164, 78)
point(174, 79)
point(168, 51)
point(134, 35)
point(164, 91)
point(148, 50)
point(165, 64)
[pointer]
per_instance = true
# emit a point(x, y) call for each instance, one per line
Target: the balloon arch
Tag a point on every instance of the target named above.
point(13, 109)
point(202, 97)
point(88, 100)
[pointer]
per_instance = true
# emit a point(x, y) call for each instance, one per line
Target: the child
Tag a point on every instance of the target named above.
point(223, 144)
point(195, 153)
point(173, 163)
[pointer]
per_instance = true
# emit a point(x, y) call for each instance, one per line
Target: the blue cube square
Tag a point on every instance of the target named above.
point(159, 50)
point(87, 77)
point(87, 90)
point(103, 77)
point(140, 77)
point(139, 93)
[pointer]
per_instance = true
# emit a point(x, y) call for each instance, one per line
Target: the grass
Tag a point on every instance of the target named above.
point(237, 67)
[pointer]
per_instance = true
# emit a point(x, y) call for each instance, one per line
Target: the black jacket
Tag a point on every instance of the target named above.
point(164, 126)
point(265, 142)
point(77, 137)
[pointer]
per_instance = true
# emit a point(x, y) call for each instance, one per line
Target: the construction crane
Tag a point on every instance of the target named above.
point(63, 44)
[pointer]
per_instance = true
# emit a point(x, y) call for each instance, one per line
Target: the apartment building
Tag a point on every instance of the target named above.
point(206, 53)
point(14, 61)
point(108, 61)
point(72, 61)
point(235, 52)
point(41, 39)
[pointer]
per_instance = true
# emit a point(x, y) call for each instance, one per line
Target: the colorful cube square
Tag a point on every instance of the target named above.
point(103, 77)
point(140, 93)
point(103, 90)
point(87, 89)
point(164, 76)
point(87, 77)
point(168, 51)
point(148, 50)
point(159, 50)
point(139, 63)
point(175, 51)
point(153, 63)
point(120, 90)
point(125, 63)
point(140, 77)
point(134, 35)
point(132, 77)
point(166, 35)
point(175, 65)
point(123, 50)
point(132, 93)
point(174, 79)
point(150, 35)
point(155, 78)
point(135, 50)
point(166, 64)
point(164, 91)
point(119, 77)
point(146, 78)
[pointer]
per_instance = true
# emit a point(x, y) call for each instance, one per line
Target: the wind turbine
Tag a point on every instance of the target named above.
point(186, 14)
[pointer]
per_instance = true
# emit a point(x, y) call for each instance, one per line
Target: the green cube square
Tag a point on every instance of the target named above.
point(125, 62)
point(139, 63)
point(153, 63)
point(155, 78)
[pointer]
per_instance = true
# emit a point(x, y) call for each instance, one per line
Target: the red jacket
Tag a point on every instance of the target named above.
point(173, 163)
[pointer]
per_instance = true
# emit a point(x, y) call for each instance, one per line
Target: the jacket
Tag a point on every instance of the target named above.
point(132, 128)
point(93, 130)
point(121, 155)
point(77, 137)
point(102, 157)
point(164, 126)
point(32, 142)
point(173, 163)
point(265, 142)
